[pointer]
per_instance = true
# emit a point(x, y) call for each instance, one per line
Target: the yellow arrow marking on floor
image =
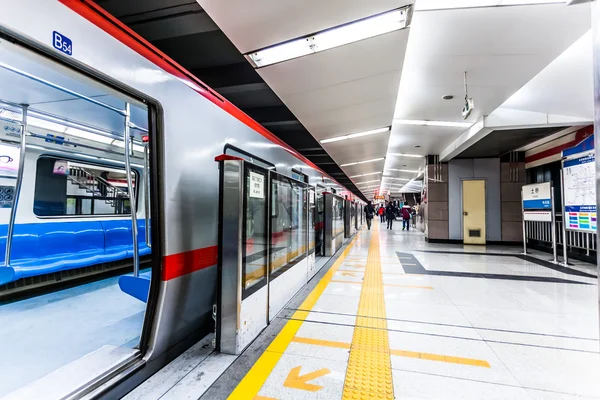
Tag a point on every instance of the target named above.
point(348, 274)
point(295, 381)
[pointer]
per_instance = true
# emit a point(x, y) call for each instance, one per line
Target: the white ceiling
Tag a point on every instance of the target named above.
point(501, 48)
point(565, 87)
point(354, 88)
point(349, 89)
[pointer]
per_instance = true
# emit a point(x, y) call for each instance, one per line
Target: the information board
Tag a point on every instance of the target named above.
point(537, 196)
point(579, 174)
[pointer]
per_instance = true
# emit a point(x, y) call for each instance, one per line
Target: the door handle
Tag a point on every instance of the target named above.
point(465, 213)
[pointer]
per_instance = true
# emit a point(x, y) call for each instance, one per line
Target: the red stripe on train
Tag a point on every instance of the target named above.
point(176, 265)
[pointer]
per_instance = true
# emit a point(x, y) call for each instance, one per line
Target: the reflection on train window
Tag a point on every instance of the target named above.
point(64, 187)
point(288, 224)
point(338, 216)
point(255, 230)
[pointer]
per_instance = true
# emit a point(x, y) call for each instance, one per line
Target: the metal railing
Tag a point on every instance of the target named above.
point(96, 185)
point(541, 231)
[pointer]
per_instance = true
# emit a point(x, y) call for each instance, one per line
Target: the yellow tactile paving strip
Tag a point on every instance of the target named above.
point(250, 385)
point(369, 372)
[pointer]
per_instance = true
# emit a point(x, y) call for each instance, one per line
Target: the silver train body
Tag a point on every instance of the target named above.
point(193, 126)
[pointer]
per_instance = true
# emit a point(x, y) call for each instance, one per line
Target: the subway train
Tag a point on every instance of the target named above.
point(92, 113)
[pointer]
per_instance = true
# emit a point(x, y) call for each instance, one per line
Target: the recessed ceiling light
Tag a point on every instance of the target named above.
point(338, 36)
point(363, 162)
point(417, 146)
point(450, 124)
point(448, 97)
point(355, 135)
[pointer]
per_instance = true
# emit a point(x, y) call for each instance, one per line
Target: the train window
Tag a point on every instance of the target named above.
point(64, 187)
point(288, 224)
point(338, 216)
point(299, 176)
point(255, 232)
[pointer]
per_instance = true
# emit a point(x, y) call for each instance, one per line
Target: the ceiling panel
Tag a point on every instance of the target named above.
point(350, 119)
point(357, 60)
point(565, 87)
point(255, 24)
point(501, 48)
point(361, 148)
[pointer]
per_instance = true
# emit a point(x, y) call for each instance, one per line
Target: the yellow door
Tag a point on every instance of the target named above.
point(473, 194)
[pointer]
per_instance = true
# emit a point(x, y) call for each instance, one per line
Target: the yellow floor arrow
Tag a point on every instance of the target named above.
point(295, 381)
point(348, 274)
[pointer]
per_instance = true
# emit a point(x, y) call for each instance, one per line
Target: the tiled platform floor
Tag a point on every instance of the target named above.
point(439, 325)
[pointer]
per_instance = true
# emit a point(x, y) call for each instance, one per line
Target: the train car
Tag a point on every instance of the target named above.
point(113, 149)
point(73, 208)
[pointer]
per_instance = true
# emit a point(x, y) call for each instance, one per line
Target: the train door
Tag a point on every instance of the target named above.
point(243, 253)
point(311, 231)
point(73, 210)
point(288, 263)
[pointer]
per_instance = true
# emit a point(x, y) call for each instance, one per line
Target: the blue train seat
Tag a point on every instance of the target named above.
point(43, 248)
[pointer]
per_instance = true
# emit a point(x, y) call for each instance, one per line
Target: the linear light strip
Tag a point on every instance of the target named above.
point(334, 37)
point(363, 162)
point(403, 170)
point(405, 155)
point(372, 173)
point(429, 5)
point(356, 135)
point(419, 122)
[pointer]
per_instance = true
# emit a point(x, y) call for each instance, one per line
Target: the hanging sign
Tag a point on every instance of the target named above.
point(257, 185)
point(579, 180)
point(537, 196)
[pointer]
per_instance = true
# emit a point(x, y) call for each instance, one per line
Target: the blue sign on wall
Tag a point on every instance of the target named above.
point(62, 43)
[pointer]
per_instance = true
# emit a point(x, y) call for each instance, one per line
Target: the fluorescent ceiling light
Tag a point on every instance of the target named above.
point(420, 122)
point(403, 170)
point(398, 179)
point(355, 135)
point(428, 5)
point(361, 183)
point(338, 36)
point(363, 162)
point(405, 155)
point(372, 173)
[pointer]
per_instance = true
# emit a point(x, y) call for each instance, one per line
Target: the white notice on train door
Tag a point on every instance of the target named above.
point(257, 185)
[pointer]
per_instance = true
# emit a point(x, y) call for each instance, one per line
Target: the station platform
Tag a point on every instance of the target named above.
point(396, 317)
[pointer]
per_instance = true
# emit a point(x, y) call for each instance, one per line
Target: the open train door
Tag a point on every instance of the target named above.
point(242, 303)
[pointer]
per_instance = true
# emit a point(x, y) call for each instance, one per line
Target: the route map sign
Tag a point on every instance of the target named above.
point(579, 176)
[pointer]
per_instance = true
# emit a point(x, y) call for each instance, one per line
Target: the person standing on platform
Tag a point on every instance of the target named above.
point(406, 217)
point(370, 213)
point(390, 213)
point(381, 212)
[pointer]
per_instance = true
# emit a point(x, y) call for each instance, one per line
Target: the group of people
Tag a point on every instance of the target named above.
point(389, 212)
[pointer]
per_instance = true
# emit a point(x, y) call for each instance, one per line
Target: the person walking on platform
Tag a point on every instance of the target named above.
point(381, 212)
point(370, 213)
point(406, 217)
point(390, 213)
